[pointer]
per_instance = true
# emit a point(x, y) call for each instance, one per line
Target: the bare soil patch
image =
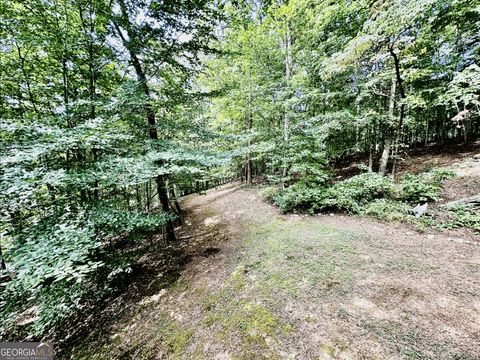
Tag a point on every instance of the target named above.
point(415, 161)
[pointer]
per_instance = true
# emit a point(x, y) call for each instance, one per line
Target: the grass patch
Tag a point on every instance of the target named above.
point(174, 339)
point(294, 256)
point(462, 216)
point(234, 314)
point(411, 342)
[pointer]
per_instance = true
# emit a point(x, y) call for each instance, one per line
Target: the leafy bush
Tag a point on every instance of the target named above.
point(112, 221)
point(49, 268)
point(416, 190)
point(300, 197)
point(353, 194)
point(424, 187)
point(377, 196)
point(349, 195)
point(54, 265)
point(387, 210)
point(268, 193)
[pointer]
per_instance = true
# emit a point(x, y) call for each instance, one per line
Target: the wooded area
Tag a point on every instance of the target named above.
point(111, 111)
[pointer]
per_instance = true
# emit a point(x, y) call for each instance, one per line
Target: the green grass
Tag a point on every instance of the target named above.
point(412, 342)
point(293, 256)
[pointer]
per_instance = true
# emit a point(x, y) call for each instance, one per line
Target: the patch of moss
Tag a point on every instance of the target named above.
point(236, 280)
point(234, 315)
point(254, 323)
point(175, 339)
point(289, 257)
point(209, 302)
point(327, 349)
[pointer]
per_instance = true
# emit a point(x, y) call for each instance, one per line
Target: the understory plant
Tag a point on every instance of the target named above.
point(463, 216)
point(369, 194)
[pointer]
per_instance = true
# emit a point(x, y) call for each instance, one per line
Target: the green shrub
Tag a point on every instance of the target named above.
point(387, 210)
point(353, 194)
point(441, 174)
point(416, 190)
point(423, 187)
point(300, 197)
point(48, 265)
point(373, 195)
point(109, 221)
point(54, 265)
point(349, 195)
point(268, 193)
point(464, 216)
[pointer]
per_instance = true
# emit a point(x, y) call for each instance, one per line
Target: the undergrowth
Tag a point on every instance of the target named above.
point(377, 196)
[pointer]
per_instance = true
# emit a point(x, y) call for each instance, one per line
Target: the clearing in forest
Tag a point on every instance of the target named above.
point(258, 284)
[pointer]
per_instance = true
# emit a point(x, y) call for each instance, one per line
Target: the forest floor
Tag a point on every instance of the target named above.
point(251, 283)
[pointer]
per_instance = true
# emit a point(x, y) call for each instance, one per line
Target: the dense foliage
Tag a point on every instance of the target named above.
point(311, 84)
point(355, 194)
point(101, 130)
point(110, 110)
point(338, 78)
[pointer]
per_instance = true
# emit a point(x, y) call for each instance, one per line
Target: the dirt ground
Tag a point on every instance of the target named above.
point(464, 159)
point(461, 157)
point(263, 285)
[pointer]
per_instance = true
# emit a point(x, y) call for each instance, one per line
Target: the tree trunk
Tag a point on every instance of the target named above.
point(175, 200)
point(288, 75)
point(369, 138)
point(26, 77)
point(2, 261)
point(426, 133)
point(138, 197)
point(388, 139)
point(142, 79)
point(148, 194)
point(385, 155)
point(402, 107)
point(163, 197)
point(249, 156)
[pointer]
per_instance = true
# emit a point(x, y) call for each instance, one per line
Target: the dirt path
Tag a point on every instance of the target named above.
point(263, 285)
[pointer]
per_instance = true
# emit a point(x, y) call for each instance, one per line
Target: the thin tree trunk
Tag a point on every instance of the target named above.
point(26, 78)
point(426, 133)
point(370, 148)
point(148, 194)
point(2, 261)
point(142, 79)
point(249, 155)
point(385, 155)
point(402, 107)
point(138, 197)
point(126, 195)
point(175, 199)
point(288, 75)
point(65, 90)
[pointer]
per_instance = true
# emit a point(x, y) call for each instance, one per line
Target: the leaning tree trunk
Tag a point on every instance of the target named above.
point(387, 146)
point(142, 79)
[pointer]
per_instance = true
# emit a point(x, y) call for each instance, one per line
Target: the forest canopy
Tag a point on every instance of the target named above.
point(112, 110)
